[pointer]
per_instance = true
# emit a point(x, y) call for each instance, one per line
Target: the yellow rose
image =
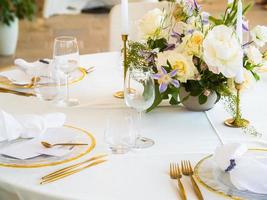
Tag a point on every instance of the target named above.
point(197, 38)
point(192, 44)
point(184, 65)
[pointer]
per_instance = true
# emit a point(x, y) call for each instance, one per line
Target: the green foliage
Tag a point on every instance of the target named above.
point(250, 67)
point(9, 9)
point(208, 81)
point(160, 44)
point(202, 99)
point(230, 15)
point(134, 56)
point(158, 99)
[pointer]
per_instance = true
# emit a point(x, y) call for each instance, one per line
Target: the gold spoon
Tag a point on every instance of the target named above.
point(48, 145)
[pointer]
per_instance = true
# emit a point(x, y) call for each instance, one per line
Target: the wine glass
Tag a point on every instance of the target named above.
point(66, 58)
point(139, 93)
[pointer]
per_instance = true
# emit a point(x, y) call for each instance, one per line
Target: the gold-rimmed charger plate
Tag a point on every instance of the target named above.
point(77, 134)
point(76, 76)
point(216, 181)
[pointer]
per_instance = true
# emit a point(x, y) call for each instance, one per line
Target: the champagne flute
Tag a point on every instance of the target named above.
point(139, 93)
point(66, 58)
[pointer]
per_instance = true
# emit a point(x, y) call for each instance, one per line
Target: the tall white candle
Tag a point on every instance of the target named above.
point(124, 17)
point(239, 31)
point(239, 22)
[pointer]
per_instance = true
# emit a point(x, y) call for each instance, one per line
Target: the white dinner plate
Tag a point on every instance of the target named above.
point(215, 180)
point(18, 78)
point(64, 134)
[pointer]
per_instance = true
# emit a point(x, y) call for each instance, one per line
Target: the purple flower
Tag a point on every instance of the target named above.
point(149, 56)
point(164, 79)
point(177, 36)
point(197, 7)
point(205, 18)
point(191, 31)
point(231, 166)
point(245, 26)
point(193, 5)
point(169, 47)
point(247, 44)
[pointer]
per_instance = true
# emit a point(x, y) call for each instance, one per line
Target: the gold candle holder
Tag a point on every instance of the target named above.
point(237, 121)
point(120, 94)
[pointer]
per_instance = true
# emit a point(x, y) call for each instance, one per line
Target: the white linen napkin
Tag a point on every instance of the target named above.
point(31, 149)
point(246, 172)
point(27, 126)
point(32, 69)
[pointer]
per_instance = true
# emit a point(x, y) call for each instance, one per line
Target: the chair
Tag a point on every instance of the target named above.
point(54, 7)
point(136, 12)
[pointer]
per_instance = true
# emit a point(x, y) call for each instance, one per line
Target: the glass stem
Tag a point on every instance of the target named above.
point(139, 121)
point(67, 84)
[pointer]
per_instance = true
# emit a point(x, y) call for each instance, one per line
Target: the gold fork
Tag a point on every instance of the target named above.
point(188, 171)
point(176, 174)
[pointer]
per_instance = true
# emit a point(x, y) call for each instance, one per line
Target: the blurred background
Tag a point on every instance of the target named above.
point(88, 20)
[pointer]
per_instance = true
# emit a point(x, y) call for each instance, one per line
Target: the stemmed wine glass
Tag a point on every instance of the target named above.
point(139, 93)
point(66, 58)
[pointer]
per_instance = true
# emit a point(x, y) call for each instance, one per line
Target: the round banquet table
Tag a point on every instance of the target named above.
point(141, 174)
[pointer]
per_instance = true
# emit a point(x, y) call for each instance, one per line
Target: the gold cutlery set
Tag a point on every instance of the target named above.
point(186, 169)
point(176, 172)
point(72, 169)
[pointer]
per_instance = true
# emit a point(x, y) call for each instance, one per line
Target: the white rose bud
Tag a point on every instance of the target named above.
point(254, 55)
point(259, 35)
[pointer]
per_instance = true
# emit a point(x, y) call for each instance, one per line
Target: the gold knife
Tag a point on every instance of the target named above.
point(60, 171)
point(68, 173)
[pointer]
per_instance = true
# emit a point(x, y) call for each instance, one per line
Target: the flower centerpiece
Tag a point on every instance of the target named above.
point(195, 56)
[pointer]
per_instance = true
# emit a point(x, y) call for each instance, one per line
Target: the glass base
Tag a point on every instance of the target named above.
point(143, 142)
point(120, 149)
point(69, 103)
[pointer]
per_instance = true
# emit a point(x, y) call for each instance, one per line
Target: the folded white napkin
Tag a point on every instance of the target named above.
point(246, 172)
point(32, 148)
point(36, 68)
point(27, 126)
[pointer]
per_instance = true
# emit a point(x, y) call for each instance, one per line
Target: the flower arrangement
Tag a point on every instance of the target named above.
point(189, 49)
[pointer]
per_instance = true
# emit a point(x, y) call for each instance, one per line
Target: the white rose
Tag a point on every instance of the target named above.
point(184, 65)
point(259, 35)
point(150, 24)
point(254, 55)
point(222, 51)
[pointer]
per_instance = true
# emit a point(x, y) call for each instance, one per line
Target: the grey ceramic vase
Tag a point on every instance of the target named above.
point(192, 103)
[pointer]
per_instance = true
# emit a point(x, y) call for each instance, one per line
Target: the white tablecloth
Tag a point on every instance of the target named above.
point(143, 175)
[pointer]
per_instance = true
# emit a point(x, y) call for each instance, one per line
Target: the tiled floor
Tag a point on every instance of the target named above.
point(36, 38)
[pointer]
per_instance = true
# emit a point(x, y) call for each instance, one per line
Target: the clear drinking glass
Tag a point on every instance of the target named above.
point(47, 85)
point(139, 93)
point(66, 58)
point(119, 134)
